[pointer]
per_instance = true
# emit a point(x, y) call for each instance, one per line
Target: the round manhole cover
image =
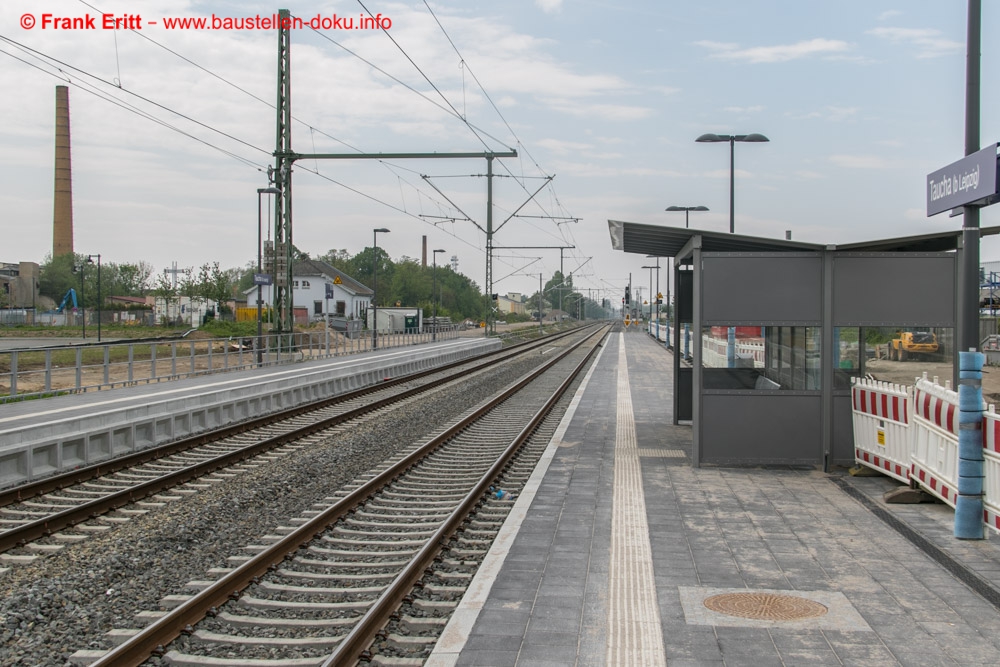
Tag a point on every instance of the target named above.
point(765, 606)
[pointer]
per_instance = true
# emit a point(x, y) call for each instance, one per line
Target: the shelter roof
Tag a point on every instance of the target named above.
point(663, 241)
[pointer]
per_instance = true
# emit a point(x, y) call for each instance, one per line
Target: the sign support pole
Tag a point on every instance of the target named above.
point(968, 304)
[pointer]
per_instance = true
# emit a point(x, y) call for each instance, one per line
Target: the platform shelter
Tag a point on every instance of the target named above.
point(778, 328)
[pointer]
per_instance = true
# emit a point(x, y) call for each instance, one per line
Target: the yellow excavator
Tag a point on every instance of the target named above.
point(913, 344)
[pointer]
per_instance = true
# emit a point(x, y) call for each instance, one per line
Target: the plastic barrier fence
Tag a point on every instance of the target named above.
point(882, 427)
point(934, 453)
point(912, 435)
point(991, 485)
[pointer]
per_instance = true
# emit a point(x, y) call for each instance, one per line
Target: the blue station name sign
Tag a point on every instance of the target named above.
point(971, 179)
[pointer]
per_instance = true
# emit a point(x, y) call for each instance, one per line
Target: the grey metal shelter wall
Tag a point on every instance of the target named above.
point(761, 429)
point(872, 289)
point(758, 288)
point(825, 288)
point(843, 431)
point(741, 280)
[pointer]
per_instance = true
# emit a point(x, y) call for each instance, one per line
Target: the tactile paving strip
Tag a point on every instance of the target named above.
point(662, 453)
point(765, 606)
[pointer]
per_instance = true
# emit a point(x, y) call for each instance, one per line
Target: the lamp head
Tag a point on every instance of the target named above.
point(706, 138)
point(755, 138)
point(381, 229)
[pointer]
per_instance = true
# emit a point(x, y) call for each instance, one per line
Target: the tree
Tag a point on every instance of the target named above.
point(363, 269)
point(130, 279)
point(164, 288)
point(411, 284)
point(58, 275)
point(339, 259)
point(215, 284)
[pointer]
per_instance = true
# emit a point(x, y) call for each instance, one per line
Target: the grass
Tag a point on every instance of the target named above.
point(107, 330)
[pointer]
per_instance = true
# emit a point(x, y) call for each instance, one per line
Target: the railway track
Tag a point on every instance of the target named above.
point(323, 588)
point(46, 515)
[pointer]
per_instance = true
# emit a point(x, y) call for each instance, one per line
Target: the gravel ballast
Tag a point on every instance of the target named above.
point(67, 601)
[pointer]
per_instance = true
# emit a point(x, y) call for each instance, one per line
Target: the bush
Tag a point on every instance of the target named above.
point(223, 329)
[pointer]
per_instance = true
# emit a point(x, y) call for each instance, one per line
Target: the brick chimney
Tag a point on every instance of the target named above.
point(62, 219)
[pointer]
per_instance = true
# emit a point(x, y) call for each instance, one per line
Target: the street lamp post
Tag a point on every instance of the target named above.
point(732, 139)
point(687, 212)
point(657, 267)
point(541, 329)
point(90, 260)
point(259, 277)
point(375, 285)
point(651, 295)
point(83, 310)
point(434, 275)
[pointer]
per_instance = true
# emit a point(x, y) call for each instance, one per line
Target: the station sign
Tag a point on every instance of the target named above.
point(262, 279)
point(971, 179)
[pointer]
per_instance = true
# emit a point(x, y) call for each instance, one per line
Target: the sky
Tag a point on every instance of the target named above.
point(173, 129)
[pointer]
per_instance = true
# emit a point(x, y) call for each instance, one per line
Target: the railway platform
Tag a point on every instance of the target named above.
point(42, 437)
point(618, 552)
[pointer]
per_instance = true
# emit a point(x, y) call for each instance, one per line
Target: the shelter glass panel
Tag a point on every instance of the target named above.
point(756, 358)
point(847, 351)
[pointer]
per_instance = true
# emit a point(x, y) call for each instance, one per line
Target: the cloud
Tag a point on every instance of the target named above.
point(584, 109)
point(593, 170)
point(560, 147)
point(775, 54)
point(888, 14)
point(861, 161)
point(549, 6)
point(754, 109)
point(842, 113)
point(928, 41)
point(833, 114)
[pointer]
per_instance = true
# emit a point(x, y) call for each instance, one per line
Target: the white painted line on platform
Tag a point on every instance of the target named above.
point(294, 372)
point(634, 633)
point(456, 633)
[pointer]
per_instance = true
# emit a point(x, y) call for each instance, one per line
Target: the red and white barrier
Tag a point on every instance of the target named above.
point(934, 455)
point(714, 352)
point(991, 469)
point(882, 427)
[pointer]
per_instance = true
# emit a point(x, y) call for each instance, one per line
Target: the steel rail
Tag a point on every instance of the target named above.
point(61, 481)
point(45, 526)
point(153, 639)
point(354, 646)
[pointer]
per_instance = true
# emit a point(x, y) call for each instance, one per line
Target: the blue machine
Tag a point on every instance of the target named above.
point(71, 294)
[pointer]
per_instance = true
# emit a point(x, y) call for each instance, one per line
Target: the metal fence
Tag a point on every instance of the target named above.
point(13, 316)
point(32, 373)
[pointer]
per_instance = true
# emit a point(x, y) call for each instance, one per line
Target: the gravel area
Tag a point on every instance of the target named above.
point(68, 601)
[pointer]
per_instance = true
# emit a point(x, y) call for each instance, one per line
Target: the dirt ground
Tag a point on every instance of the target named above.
point(904, 372)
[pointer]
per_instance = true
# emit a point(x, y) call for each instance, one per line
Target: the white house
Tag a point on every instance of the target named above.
point(322, 290)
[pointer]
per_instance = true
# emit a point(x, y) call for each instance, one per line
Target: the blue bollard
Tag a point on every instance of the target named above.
point(969, 504)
